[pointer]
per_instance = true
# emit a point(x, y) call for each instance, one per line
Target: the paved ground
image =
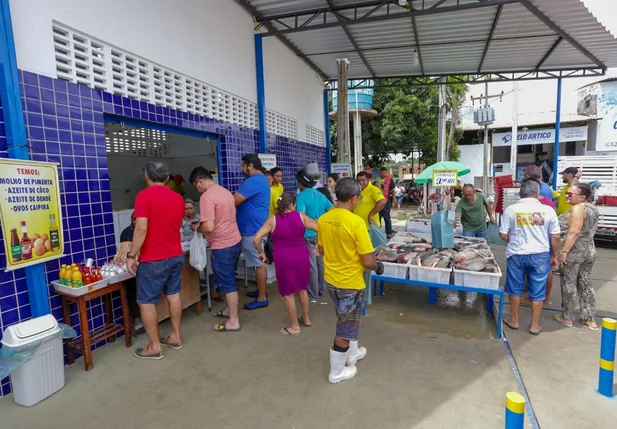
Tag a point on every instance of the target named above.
point(427, 367)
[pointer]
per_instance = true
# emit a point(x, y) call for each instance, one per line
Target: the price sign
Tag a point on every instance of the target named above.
point(268, 160)
point(445, 178)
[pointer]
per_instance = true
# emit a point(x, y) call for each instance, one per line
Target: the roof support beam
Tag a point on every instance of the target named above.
point(533, 9)
point(548, 54)
point(250, 9)
point(394, 12)
point(415, 36)
point(352, 40)
point(490, 37)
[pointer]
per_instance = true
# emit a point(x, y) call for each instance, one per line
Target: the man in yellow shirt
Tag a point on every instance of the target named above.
point(276, 188)
point(371, 202)
point(175, 184)
point(570, 177)
point(347, 251)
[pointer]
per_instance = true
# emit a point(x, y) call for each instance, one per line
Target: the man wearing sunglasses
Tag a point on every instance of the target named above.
point(473, 209)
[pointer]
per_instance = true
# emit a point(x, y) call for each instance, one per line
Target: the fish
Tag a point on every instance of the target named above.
point(465, 255)
point(443, 263)
point(431, 261)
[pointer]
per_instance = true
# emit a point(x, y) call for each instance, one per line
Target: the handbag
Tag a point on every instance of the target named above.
point(269, 250)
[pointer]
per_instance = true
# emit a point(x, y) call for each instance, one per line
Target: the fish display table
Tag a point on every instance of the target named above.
point(469, 267)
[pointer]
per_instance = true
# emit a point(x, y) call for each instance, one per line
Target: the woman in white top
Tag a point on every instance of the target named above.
point(399, 193)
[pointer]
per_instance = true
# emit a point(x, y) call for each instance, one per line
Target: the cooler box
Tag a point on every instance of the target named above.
point(43, 374)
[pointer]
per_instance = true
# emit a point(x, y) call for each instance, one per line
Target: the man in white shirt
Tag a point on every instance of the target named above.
point(531, 230)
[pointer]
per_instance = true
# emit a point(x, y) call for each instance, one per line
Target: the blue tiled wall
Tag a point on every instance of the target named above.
point(65, 124)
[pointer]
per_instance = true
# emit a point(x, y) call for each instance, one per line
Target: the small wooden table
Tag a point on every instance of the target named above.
point(84, 343)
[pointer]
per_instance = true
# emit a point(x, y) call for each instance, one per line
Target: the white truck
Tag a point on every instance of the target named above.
point(604, 170)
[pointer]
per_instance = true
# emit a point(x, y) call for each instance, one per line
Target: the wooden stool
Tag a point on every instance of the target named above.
point(83, 344)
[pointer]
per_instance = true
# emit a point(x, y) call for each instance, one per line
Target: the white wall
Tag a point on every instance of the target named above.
point(473, 157)
point(209, 40)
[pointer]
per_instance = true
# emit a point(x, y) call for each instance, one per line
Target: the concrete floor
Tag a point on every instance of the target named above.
point(427, 367)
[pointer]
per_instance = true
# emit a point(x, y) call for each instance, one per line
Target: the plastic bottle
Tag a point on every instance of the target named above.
point(54, 235)
point(26, 243)
point(62, 274)
point(77, 279)
point(87, 278)
point(15, 246)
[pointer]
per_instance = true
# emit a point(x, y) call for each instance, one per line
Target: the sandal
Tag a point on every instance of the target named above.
point(563, 320)
point(220, 315)
point(173, 346)
point(217, 298)
point(222, 328)
point(536, 333)
point(286, 333)
point(514, 328)
point(301, 320)
point(590, 324)
point(139, 353)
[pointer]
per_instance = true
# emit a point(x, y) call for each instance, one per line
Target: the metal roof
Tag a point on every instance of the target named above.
point(510, 39)
point(532, 120)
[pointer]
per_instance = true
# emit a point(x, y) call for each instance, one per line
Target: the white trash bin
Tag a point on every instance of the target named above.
point(43, 374)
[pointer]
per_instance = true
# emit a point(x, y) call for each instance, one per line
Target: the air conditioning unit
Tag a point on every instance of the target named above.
point(484, 116)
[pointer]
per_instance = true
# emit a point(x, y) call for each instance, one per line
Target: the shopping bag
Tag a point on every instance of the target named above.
point(378, 237)
point(442, 231)
point(269, 250)
point(493, 235)
point(198, 258)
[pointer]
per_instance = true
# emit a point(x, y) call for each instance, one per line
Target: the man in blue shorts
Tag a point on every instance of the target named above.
point(530, 228)
point(252, 210)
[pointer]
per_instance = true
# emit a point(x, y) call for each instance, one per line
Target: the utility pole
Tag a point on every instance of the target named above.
point(514, 141)
point(344, 145)
point(441, 128)
point(487, 155)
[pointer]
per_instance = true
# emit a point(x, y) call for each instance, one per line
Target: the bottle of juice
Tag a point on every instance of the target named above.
point(76, 278)
point(87, 276)
point(62, 274)
point(15, 246)
point(54, 235)
point(26, 243)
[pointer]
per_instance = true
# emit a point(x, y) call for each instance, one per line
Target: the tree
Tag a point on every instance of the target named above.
point(455, 98)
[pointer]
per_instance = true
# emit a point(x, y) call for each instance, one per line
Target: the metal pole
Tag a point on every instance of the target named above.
point(514, 141)
point(261, 94)
point(344, 145)
point(357, 141)
point(515, 410)
point(557, 134)
point(12, 109)
point(326, 109)
point(441, 128)
point(607, 357)
point(486, 148)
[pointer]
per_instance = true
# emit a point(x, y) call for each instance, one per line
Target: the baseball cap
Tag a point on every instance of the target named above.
point(179, 178)
point(570, 170)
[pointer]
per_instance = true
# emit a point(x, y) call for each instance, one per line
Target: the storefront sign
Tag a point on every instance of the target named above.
point(606, 140)
point(542, 136)
point(30, 212)
point(268, 160)
point(343, 170)
point(445, 178)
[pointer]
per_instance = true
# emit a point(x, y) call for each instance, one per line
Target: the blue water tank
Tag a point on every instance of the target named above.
point(362, 96)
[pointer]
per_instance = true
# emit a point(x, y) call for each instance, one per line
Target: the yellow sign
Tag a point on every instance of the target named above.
point(30, 211)
point(445, 178)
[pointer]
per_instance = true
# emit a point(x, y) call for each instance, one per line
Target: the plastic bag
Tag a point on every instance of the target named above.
point(198, 257)
point(493, 235)
point(378, 237)
point(12, 359)
point(442, 230)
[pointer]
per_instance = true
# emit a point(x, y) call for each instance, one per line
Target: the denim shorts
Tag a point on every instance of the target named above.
point(478, 234)
point(348, 305)
point(159, 276)
point(250, 253)
point(224, 262)
point(536, 267)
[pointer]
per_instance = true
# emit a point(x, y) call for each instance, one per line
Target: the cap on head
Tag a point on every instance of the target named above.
point(308, 175)
point(570, 170)
point(179, 178)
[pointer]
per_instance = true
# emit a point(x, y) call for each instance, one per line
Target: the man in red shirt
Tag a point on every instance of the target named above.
point(217, 208)
point(156, 239)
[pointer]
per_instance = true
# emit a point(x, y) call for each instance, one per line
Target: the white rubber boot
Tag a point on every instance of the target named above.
point(338, 371)
point(355, 353)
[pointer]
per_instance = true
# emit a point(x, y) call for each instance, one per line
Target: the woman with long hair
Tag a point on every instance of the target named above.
point(331, 185)
point(291, 258)
point(577, 256)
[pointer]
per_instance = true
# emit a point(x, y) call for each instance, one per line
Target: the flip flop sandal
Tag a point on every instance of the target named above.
point(514, 328)
point(586, 322)
point(536, 333)
point(220, 315)
point(301, 320)
point(218, 299)
point(139, 353)
point(173, 346)
point(222, 328)
point(289, 334)
point(559, 318)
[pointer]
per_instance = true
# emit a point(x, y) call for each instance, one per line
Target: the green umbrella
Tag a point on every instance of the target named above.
point(427, 174)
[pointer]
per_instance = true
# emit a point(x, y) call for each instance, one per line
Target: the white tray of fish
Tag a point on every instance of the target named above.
point(429, 274)
point(477, 279)
point(397, 271)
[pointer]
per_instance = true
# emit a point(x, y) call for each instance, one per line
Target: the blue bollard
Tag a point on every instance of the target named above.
point(515, 411)
point(607, 357)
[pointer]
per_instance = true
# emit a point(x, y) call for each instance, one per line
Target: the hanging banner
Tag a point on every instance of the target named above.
point(542, 136)
point(268, 160)
point(343, 170)
point(445, 178)
point(30, 212)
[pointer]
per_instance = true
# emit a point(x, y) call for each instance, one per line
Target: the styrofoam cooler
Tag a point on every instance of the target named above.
point(43, 374)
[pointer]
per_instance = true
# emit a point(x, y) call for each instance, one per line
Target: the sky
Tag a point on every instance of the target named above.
point(540, 96)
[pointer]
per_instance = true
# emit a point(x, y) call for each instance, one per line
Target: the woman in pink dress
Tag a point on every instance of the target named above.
point(291, 258)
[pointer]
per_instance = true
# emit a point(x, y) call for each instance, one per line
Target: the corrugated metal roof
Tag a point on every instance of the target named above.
point(454, 40)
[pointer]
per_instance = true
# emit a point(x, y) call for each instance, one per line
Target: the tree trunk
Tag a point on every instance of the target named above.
point(453, 123)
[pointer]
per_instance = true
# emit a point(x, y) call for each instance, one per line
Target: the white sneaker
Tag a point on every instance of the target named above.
point(338, 371)
point(355, 353)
